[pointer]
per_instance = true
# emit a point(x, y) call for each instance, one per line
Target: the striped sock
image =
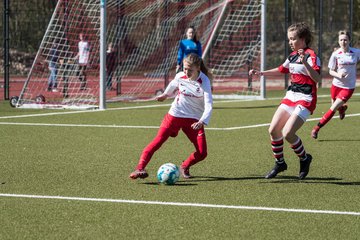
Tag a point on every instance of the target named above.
point(277, 146)
point(299, 149)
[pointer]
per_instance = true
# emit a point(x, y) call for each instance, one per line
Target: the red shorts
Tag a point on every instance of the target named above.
point(342, 93)
point(174, 124)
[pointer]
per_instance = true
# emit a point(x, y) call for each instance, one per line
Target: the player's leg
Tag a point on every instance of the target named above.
point(278, 122)
point(51, 78)
point(167, 128)
point(198, 138)
point(339, 97)
point(344, 95)
point(295, 122)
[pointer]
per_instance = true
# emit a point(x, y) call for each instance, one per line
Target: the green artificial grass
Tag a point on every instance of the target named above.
point(91, 154)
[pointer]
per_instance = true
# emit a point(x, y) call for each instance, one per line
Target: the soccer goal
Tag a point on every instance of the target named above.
point(144, 36)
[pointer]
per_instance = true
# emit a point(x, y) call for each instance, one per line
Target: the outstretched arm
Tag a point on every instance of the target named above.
point(270, 72)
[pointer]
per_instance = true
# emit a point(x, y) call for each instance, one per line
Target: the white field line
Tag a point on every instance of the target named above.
point(133, 107)
point(181, 204)
point(150, 127)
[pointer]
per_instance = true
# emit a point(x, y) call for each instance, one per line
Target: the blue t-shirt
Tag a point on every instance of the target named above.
point(186, 47)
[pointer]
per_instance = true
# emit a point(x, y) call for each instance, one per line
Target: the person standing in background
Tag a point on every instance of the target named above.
point(53, 62)
point(83, 59)
point(111, 64)
point(186, 46)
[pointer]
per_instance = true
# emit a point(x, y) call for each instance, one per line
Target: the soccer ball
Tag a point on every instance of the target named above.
point(168, 173)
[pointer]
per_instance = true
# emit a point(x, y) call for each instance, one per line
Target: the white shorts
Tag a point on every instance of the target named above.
point(299, 110)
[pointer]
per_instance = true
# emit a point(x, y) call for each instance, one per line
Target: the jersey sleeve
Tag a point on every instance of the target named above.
point(358, 54)
point(208, 101)
point(284, 68)
point(173, 86)
point(313, 60)
point(180, 55)
point(332, 62)
point(199, 48)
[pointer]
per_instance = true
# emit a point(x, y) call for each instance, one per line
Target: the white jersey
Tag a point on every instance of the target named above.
point(84, 52)
point(193, 99)
point(341, 61)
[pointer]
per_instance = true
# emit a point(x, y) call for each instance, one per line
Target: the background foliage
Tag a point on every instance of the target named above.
point(29, 19)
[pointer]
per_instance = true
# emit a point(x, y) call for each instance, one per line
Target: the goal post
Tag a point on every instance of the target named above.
point(144, 38)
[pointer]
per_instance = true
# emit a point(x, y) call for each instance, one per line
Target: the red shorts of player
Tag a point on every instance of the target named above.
point(342, 93)
point(170, 127)
point(174, 124)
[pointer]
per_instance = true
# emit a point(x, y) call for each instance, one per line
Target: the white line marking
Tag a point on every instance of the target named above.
point(180, 204)
point(83, 111)
point(149, 127)
point(138, 107)
point(76, 125)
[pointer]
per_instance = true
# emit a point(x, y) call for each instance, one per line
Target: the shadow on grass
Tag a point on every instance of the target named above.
point(339, 140)
point(279, 179)
point(178, 184)
point(312, 180)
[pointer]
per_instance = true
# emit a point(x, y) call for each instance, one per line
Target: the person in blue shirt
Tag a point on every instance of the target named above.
point(54, 55)
point(186, 46)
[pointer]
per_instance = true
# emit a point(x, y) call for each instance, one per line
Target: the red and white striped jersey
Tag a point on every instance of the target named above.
point(302, 90)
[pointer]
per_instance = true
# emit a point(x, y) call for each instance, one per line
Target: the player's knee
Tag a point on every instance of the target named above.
point(273, 132)
point(288, 135)
point(202, 155)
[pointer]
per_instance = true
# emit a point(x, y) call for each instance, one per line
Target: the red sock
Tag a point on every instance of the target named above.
point(326, 118)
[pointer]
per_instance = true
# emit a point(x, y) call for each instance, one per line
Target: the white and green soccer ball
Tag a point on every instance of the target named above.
point(168, 173)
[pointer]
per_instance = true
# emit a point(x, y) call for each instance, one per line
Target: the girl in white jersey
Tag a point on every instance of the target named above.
point(342, 66)
point(83, 57)
point(190, 111)
point(299, 101)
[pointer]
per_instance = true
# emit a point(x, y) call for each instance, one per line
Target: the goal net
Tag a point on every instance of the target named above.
point(145, 38)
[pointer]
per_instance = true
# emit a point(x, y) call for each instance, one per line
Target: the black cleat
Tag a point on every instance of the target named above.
point(305, 167)
point(277, 169)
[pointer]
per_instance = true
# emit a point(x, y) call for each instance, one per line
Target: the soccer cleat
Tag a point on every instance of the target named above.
point(139, 174)
point(185, 172)
point(342, 110)
point(277, 169)
point(314, 132)
point(305, 166)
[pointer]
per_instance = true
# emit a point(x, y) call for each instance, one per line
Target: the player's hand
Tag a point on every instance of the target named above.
point(177, 68)
point(255, 72)
point(343, 74)
point(301, 53)
point(198, 125)
point(161, 97)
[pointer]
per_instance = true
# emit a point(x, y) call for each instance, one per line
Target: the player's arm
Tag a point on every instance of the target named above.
point(208, 101)
point(336, 74)
point(270, 72)
point(315, 76)
point(168, 91)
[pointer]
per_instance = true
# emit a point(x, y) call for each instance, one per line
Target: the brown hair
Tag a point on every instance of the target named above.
point(194, 59)
point(194, 38)
point(344, 32)
point(302, 31)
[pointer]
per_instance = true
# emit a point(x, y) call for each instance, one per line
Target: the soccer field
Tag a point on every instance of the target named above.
point(64, 175)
